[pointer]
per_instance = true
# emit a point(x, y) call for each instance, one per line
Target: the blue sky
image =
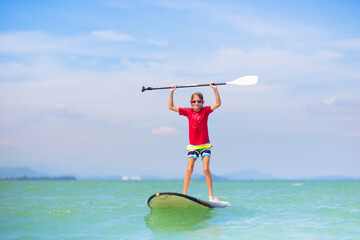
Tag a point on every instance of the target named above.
point(71, 74)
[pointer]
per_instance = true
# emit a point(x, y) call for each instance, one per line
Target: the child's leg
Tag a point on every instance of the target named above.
point(188, 173)
point(206, 168)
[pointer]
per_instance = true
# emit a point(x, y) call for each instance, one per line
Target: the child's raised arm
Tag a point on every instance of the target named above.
point(217, 97)
point(171, 99)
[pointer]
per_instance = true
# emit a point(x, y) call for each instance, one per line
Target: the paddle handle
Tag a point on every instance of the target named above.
point(182, 86)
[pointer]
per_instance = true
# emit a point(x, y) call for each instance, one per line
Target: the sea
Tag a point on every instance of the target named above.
point(118, 210)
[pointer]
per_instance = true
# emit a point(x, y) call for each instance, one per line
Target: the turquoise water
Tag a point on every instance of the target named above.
point(118, 210)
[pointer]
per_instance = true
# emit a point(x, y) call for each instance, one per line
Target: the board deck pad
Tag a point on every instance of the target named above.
point(171, 200)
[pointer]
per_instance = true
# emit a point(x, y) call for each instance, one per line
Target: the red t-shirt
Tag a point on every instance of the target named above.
point(198, 129)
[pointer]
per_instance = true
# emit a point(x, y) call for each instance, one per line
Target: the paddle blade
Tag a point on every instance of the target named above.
point(247, 80)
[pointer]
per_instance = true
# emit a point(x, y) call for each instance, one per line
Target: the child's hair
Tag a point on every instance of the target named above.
point(199, 94)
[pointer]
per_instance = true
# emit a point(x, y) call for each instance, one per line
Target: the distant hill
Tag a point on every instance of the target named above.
point(25, 173)
point(249, 174)
point(17, 172)
point(198, 176)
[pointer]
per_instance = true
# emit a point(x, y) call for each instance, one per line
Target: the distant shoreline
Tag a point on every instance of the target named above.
point(28, 174)
point(25, 178)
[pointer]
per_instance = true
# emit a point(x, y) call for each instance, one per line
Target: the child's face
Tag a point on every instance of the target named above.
point(197, 103)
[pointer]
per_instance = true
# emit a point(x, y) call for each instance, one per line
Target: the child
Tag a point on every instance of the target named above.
point(198, 134)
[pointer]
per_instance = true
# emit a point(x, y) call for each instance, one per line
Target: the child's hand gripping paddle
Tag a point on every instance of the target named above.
point(247, 80)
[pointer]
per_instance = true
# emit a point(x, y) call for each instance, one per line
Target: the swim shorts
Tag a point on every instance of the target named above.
point(196, 151)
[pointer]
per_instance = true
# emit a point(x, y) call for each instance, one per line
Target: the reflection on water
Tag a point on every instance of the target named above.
point(172, 220)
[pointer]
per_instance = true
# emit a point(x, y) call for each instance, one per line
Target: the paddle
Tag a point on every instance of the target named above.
point(247, 80)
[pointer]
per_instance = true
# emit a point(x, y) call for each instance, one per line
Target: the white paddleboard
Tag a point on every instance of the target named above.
point(171, 200)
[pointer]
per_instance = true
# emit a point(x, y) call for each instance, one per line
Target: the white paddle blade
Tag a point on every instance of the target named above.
point(247, 80)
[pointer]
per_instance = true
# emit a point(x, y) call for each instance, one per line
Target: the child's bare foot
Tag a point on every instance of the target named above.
point(213, 199)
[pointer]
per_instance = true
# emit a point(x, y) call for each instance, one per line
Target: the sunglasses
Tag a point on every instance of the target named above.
point(197, 101)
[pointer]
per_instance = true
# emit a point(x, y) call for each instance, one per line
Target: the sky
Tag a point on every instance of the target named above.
point(71, 74)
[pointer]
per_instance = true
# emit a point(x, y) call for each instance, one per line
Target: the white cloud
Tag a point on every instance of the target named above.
point(158, 42)
point(349, 44)
point(328, 55)
point(344, 107)
point(60, 111)
point(7, 143)
point(10, 144)
point(112, 36)
point(165, 131)
point(349, 134)
point(39, 43)
point(27, 42)
point(121, 4)
point(38, 68)
point(330, 100)
point(244, 18)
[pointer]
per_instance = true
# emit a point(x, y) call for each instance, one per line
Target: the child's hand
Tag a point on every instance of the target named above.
point(213, 86)
point(173, 87)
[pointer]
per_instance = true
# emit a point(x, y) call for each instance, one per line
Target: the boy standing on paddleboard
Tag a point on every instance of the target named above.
point(198, 134)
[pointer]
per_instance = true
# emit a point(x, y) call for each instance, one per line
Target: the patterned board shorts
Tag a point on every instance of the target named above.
point(199, 151)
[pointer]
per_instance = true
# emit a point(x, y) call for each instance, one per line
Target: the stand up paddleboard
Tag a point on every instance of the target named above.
point(171, 200)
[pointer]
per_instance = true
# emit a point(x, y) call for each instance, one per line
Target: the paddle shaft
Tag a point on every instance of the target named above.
point(182, 86)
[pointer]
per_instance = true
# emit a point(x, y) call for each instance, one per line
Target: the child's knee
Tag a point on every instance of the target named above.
point(206, 171)
point(190, 168)
point(189, 171)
